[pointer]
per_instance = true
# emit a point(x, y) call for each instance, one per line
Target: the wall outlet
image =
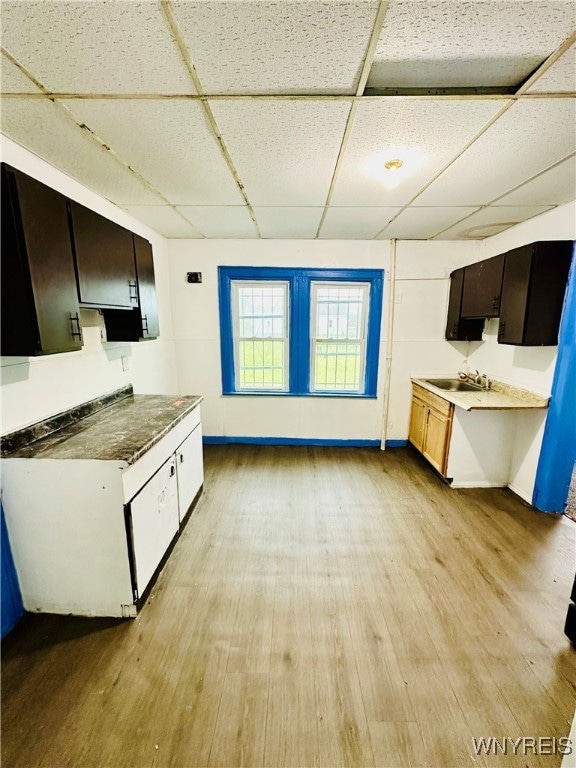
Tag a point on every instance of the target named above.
point(125, 363)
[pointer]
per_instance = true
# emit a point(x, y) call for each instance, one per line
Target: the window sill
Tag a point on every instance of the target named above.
point(268, 393)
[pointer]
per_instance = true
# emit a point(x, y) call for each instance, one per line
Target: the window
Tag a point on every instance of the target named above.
point(300, 331)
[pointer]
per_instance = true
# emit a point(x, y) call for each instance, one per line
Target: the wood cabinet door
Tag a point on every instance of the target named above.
point(154, 516)
point(190, 470)
point(40, 221)
point(482, 287)
point(417, 423)
point(436, 437)
point(146, 287)
point(454, 305)
point(104, 259)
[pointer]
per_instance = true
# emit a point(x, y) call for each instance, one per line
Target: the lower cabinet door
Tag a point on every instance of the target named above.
point(154, 512)
point(417, 423)
point(435, 447)
point(190, 470)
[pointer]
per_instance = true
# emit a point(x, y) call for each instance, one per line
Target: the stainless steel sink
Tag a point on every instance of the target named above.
point(454, 385)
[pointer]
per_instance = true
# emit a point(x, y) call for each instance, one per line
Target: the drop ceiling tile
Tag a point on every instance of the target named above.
point(467, 43)
point(44, 129)
point(284, 151)
point(343, 223)
point(13, 80)
point(425, 134)
point(95, 47)
point(168, 141)
point(287, 223)
point(553, 187)
point(490, 221)
point(530, 137)
point(221, 221)
point(560, 78)
point(163, 219)
point(277, 47)
point(424, 223)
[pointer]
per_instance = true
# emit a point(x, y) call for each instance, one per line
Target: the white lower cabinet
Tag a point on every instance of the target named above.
point(88, 535)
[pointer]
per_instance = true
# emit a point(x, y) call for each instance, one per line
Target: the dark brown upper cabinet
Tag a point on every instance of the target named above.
point(141, 323)
point(458, 328)
point(533, 288)
point(105, 265)
point(40, 312)
point(482, 288)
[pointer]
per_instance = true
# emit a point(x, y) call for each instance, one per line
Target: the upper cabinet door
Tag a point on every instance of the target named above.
point(535, 278)
point(40, 313)
point(482, 287)
point(104, 260)
point(458, 329)
point(146, 288)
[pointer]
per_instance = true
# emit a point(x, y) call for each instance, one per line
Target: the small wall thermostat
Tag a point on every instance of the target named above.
point(193, 277)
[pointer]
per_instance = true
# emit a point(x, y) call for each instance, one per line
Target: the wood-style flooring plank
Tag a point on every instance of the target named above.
point(326, 607)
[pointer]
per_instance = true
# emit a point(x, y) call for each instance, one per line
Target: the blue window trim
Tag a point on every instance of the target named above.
point(299, 282)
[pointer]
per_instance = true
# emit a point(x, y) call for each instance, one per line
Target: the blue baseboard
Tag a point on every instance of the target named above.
point(246, 440)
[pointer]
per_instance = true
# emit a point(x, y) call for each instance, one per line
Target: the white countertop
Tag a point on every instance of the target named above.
point(499, 397)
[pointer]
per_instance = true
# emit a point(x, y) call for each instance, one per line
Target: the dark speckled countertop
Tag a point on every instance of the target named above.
point(121, 431)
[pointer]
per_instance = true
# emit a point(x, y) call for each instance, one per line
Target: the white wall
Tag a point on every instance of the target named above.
point(37, 387)
point(196, 328)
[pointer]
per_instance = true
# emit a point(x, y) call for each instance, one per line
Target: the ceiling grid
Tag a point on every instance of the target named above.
point(275, 118)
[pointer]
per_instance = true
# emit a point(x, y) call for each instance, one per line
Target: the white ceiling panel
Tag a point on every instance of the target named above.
point(13, 80)
point(490, 221)
point(468, 43)
point(553, 187)
point(284, 151)
point(560, 78)
point(221, 221)
point(355, 223)
point(423, 223)
point(277, 47)
point(300, 223)
point(424, 134)
point(43, 128)
point(95, 47)
point(530, 137)
point(163, 219)
point(169, 142)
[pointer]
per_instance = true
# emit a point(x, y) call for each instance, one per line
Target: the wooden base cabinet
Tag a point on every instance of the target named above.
point(430, 426)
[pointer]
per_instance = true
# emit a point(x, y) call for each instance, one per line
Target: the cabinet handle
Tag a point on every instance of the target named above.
point(172, 470)
point(133, 290)
point(181, 458)
point(75, 331)
point(145, 324)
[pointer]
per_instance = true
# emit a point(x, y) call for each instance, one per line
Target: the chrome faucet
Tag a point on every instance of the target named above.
point(483, 381)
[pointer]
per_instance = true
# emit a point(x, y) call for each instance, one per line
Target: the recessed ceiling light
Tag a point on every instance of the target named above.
point(393, 164)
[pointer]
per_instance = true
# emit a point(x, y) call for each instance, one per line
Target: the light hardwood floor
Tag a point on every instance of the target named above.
point(323, 607)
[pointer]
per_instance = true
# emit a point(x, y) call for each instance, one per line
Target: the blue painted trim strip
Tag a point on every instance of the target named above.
point(396, 443)
point(558, 452)
point(233, 440)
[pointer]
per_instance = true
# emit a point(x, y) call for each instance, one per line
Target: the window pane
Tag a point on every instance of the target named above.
point(338, 312)
point(338, 344)
point(337, 366)
point(260, 337)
